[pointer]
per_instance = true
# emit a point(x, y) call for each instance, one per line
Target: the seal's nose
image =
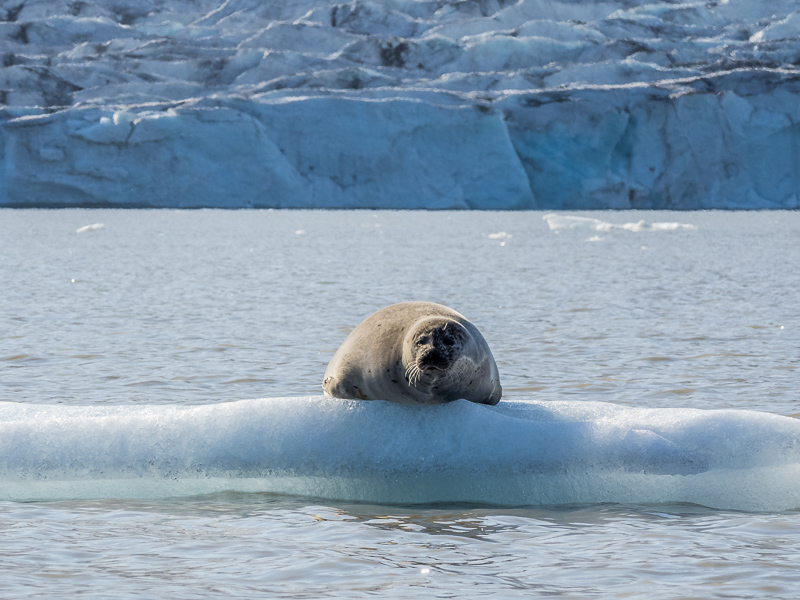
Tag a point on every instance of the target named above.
point(434, 359)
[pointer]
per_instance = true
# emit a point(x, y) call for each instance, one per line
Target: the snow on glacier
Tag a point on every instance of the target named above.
point(492, 104)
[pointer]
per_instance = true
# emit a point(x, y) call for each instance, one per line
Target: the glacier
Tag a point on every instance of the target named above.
point(435, 104)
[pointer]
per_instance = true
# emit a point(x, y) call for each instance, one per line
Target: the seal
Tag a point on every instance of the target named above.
point(414, 353)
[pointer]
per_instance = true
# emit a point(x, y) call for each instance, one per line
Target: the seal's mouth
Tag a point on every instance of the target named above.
point(422, 373)
point(431, 368)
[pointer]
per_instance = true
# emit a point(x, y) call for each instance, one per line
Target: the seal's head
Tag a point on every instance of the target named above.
point(431, 348)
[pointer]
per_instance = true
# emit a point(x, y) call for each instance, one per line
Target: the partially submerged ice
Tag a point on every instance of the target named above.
point(516, 453)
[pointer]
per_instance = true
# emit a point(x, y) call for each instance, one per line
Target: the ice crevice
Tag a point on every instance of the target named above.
point(517, 104)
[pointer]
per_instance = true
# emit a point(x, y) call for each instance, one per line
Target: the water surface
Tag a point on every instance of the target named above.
point(205, 307)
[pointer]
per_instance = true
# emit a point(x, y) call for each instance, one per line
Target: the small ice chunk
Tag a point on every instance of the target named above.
point(92, 227)
point(671, 226)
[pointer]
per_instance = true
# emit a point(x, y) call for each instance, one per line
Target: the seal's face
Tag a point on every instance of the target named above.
point(432, 349)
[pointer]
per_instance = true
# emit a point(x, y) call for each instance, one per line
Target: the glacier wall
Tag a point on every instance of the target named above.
point(487, 104)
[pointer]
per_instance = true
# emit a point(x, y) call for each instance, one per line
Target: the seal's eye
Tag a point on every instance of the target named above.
point(422, 341)
point(448, 340)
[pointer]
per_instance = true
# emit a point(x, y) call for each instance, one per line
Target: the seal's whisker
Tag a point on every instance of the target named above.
point(413, 373)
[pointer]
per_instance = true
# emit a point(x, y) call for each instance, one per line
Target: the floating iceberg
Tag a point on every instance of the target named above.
point(497, 104)
point(558, 222)
point(517, 453)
